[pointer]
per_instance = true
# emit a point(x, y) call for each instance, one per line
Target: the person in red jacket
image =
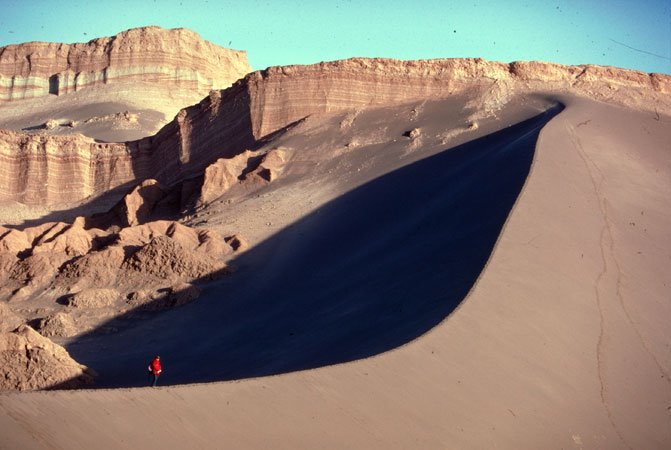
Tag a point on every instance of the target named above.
point(155, 369)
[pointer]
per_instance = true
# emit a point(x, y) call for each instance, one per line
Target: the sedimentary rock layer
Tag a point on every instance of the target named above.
point(228, 122)
point(36, 169)
point(282, 95)
point(177, 57)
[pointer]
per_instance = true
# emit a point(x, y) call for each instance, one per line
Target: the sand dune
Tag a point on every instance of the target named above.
point(364, 273)
point(560, 343)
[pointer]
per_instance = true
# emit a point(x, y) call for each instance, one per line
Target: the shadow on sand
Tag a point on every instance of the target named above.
point(368, 272)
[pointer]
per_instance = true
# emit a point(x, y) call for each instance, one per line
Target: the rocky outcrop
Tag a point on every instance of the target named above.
point(161, 257)
point(75, 286)
point(164, 258)
point(93, 298)
point(68, 240)
point(176, 57)
point(8, 320)
point(59, 324)
point(247, 167)
point(226, 123)
point(221, 175)
point(95, 268)
point(136, 206)
point(30, 361)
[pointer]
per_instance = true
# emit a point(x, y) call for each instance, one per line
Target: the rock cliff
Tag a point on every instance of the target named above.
point(37, 169)
point(176, 57)
point(47, 170)
point(282, 95)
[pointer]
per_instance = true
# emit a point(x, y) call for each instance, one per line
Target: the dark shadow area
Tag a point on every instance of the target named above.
point(100, 204)
point(34, 127)
point(53, 84)
point(370, 271)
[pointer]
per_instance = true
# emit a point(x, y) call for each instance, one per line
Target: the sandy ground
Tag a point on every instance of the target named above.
point(99, 112)
point(562, 340)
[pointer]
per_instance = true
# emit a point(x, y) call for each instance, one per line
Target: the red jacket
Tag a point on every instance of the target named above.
point(155, 366)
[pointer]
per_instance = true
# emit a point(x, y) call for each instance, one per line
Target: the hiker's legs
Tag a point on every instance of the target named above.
point(155, 380)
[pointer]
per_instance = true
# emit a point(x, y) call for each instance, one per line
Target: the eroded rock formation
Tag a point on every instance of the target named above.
point(29, 361)
point(66, 279)
point(102, 276)
point(177, 57)
point(228, 122)
point(246, 167)
point(69, 258)
point(8, 320)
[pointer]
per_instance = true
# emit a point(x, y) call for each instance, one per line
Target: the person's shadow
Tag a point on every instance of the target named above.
point(370, 271)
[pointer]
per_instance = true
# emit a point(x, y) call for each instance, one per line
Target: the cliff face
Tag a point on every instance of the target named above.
point(177, 57)
point(38, 169)
point(265, 102)
point(282, 95)
point(228, 122)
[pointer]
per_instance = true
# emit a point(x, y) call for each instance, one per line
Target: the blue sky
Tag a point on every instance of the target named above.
point(622, 33)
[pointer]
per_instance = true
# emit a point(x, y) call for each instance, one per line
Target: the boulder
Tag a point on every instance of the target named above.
point(236, 242)
point(136, 206)
point(271, 165)
point(221, 175)
point(213, 245)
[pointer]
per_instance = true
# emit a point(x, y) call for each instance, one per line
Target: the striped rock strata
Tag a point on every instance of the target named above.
point(177, 57)
point(282, 95)
point(228, 122)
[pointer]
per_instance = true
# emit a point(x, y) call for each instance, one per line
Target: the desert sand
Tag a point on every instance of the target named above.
point(451, 271)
